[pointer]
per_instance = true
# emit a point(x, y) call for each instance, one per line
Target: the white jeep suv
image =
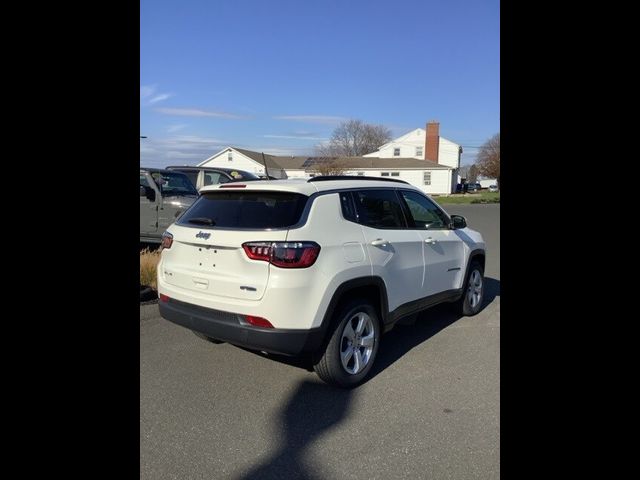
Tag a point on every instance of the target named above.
point(319, 267)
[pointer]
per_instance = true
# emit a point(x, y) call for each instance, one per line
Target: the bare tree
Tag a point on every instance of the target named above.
point(354, 138)
point(488, 160)
point(327, 166)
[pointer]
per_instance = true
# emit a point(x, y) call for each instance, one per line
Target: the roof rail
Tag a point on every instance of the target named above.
point(328, 178)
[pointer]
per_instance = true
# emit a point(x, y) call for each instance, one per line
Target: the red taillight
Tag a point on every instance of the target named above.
point(294, 254)
point(258, 250)
point(283, 254)
point(233, 185)
point(258, 321)
point(163, 298)
point(167, 240)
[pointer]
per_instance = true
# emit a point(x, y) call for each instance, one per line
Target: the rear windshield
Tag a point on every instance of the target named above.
point(250, 210)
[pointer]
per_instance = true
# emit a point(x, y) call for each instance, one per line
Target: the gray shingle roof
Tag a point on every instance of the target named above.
point(257, 156)
point(351, 163)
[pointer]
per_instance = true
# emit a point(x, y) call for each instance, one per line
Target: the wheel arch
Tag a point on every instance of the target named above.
point(372, 288)
point(477, 255)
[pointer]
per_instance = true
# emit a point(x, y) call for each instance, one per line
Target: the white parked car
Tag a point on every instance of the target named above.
point(493, 188)
point(320, 267)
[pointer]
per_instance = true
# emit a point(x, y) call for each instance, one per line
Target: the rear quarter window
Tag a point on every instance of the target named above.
point(348, 207)
point(245, 210)
point(379, 209)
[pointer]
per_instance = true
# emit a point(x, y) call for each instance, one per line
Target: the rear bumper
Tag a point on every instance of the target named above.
point(231, 328)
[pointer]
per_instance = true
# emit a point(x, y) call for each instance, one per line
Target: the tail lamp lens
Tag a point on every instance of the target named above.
point(258, 250)
point(283, 254)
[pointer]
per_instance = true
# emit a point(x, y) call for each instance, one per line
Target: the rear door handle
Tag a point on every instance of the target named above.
point(430, 241)
point(378, 242)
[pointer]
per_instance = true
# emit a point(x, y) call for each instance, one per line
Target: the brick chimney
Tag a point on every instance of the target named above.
point(432, 141)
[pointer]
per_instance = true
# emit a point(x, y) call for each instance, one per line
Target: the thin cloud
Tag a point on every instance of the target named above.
point(161, 97)
point(323, 119)
point(277, 150)
point(193, 149)
point(182, 155)
point(149, 94)
point(147, 90)
point(195, 140)
point(176, 128)
point(196, 112)
point(295, 137)
point(160, 152)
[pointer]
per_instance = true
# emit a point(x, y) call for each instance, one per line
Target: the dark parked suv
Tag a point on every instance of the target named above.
point(164, 195)
point(203, 176)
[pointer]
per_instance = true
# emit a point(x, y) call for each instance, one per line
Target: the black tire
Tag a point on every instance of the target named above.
point(329, 367)
point(208, 339)
point(147, 294)
point(464, 304)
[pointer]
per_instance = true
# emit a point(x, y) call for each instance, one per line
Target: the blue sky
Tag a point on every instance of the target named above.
point(277, 75)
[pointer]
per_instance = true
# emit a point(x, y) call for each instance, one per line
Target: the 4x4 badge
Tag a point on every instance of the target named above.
point(203, 235)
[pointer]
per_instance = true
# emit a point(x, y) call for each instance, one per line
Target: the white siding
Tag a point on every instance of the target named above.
point(407, 145)
point(447, 153)
point(440, 179)
point(488, 182)
point(296, 174)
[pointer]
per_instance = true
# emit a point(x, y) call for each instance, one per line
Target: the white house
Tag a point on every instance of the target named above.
point(247, 160)
point(423, 144)
point(420, 157)
point(429, 176)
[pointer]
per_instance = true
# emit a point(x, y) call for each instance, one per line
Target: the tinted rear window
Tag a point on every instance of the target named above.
point(251, 210)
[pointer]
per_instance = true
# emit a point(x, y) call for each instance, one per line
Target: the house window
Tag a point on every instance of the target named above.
point(360, 174)
point(396, 152)
point(395, 174)
point(418, 151)
point(384, 174)
point(426, 176)
point(230, 156)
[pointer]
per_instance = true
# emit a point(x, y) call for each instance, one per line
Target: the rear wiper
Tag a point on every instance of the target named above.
point(201, 221)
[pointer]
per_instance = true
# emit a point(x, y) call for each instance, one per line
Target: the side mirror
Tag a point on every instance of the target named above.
point(458, 221)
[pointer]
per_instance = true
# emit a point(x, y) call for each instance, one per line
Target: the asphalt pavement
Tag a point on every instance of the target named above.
point(430, 410)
